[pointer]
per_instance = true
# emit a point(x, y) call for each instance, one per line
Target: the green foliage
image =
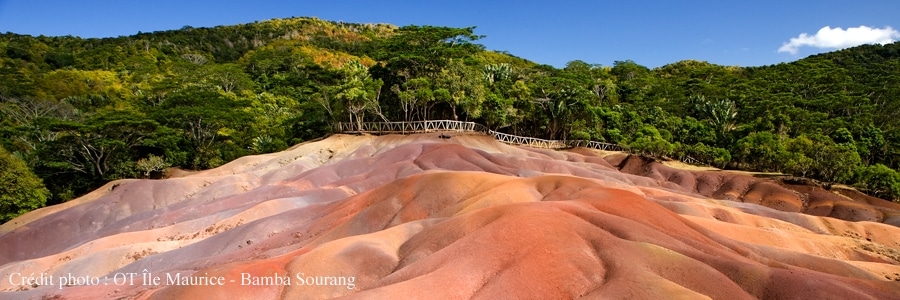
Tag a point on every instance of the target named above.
point(312, 123)
point(837, 162)
point(717, 157)
point(415, 96)
point(796, 160)
point(498, 111)
point(100, 144)
point(879, 180)
point(152, 164)
point(459, 87)
point(266, 144)
point(761, 150)
point(496, 73)
point(416, 51)
point(358, 92)
point(20, 190)
point(871, 144)
point(81, 112)
point(721, 114)
point(650, 141)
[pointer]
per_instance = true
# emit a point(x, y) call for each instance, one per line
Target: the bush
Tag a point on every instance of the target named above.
point(762, 150)
point(879, 181)
point(650, 141)
point(715, 156)
point(20, 190)
point(838, 162)
point(579, 135)
point(152, 164)
point(615, 136)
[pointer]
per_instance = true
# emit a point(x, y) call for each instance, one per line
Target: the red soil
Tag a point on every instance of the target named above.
point(421, 217)
point(779, 194)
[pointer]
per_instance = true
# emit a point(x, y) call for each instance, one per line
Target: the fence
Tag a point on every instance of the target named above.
point(408, 127)
point(460, 126)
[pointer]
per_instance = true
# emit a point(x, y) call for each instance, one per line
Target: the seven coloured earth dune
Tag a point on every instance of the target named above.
point(422, 217)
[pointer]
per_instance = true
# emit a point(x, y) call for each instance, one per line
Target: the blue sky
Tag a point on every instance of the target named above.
point(652, 33)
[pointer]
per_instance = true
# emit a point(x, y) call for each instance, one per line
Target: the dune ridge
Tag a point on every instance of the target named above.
point(419, 216)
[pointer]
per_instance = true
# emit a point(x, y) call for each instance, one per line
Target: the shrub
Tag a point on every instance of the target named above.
point(20, 190)
point(715, 156)
point(152, 164)
point(650, 141)
point(879, 181)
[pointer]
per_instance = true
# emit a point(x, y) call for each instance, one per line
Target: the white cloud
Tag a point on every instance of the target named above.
point(838, 38)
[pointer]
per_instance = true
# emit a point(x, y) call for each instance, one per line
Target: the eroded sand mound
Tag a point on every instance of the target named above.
point(781, 193)
point(421, 217)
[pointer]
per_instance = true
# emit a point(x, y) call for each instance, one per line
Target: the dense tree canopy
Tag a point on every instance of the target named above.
point(80, 112)
point(20, 190)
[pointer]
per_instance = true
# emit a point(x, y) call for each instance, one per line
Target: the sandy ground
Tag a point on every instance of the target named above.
point(418, 216)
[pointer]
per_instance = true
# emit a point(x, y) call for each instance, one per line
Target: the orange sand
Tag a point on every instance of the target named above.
point(423, 218)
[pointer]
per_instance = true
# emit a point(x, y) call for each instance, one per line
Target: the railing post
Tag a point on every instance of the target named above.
point(407, 127)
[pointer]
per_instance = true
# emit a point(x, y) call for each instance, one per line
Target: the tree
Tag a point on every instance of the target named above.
point(721, 114)
point(272, 116)
point(561, 98)
point(152, 164)
point(761, 151)
point(86, 90)
point(416, 51)
point(30, 118)
point(871, 144)
point(830, 161)
point(496, 73)
point(634, 81)
point(837, 162)
point(95, 146)
point(714, 156)
point(359, 92)
point(597, 78)
point(796, 161)
point(497, 111)
point(227, 77)
point(415, 95)
point(20, 190)
point(503, 97)
point(212, 124)
point(879, 181)
point(650, 141)
point(459, 86)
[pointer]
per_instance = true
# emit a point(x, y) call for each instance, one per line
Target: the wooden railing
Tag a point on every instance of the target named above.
point(460, 126)
point(692, 161)
point(409, 127)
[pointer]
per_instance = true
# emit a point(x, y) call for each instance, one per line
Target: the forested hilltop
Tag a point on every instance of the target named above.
point(77, 113)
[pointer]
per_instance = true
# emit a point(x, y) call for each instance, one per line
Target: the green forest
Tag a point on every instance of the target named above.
point(79, 112)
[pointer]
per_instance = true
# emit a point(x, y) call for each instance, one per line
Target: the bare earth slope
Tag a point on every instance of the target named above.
point(421, 217)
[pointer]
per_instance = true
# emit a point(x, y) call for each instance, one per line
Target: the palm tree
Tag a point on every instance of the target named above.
point(721, 114)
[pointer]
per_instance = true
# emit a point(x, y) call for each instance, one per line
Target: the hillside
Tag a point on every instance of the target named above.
point(77, 114)
point(408, 216)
